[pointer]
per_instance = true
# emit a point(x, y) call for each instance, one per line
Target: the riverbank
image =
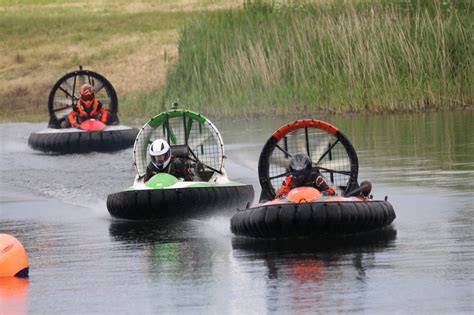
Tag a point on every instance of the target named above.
point(252, 59)
point(341, 58)
point(131, 43)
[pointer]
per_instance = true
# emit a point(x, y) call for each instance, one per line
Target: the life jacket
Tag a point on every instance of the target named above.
point(316, 181)
point(87, 112)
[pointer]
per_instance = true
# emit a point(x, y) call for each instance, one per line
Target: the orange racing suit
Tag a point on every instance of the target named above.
point(85, 110)
point(317, 181)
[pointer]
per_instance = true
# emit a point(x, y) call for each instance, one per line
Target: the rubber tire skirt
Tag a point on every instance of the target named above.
point(308, 219)
point(83, 142)
point(182, 202)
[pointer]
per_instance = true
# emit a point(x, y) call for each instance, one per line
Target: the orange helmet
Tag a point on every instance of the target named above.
point(87, 92)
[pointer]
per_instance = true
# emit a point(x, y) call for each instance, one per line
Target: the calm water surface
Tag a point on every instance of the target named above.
point(83, 261)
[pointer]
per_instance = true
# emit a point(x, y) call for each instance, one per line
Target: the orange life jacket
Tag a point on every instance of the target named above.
point(317, 181)
point(83, 113)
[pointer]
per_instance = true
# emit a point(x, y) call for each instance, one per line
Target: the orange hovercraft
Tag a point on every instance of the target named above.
point(304, 211)
point(91, 134)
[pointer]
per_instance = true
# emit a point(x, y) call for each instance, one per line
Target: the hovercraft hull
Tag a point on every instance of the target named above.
point(179, 202)
point(73, 140)
point(337, 216)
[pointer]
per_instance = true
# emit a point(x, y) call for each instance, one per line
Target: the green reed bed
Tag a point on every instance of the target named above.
point(377, 57)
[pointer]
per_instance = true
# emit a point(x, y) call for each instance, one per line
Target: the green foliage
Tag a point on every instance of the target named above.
point(344, 57)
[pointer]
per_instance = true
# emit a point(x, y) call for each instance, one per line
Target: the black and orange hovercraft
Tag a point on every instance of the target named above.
point(92, 135)
point(304, 211)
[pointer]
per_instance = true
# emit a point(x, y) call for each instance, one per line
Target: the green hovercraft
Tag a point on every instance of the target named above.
point(196, 141)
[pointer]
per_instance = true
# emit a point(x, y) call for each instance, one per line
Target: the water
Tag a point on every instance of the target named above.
point(83, 261)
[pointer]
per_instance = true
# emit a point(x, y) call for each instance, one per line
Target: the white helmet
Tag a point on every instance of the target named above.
point(160, 153)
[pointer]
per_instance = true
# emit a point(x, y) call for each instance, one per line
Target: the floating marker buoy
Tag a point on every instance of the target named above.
point(13, 258)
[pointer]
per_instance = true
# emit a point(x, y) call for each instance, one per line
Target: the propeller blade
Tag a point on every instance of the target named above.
point(279, 176)
point(62, 101)
point(280, 161)
point(82, 80)
point(195, 142)
point(297, 141)
point(320, 150)
point(104, 100)
point(98, 87)
point(68, 89)
point(337, 164)
point(200, 160)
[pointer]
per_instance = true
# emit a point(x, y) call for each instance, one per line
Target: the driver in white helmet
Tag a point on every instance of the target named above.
point(163, 162)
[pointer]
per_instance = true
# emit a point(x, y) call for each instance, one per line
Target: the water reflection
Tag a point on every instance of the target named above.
point(367, 242)
point(305, 275)
point(13, 295)
point(148, 232)
point(424, 163)
point(174, 248)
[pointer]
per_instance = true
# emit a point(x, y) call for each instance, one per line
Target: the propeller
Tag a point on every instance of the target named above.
point(82, 80)
point(195, 142)
point(198, 161)
point(321, 154)
point(100, 85)
point(62, 100)
point(318, 153)
point(66, 87)
point(331, 154)
point(280, 161)
point(207, 140)
point(104, 100)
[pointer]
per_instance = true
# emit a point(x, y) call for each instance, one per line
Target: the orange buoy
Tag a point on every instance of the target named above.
point(13, 259)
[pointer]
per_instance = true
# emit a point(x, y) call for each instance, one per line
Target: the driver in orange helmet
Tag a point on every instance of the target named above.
point(302, 174)
point(87, 107)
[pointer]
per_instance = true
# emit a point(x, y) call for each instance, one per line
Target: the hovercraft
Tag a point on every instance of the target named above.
point(61, 138)
point(195, 140)
point(304, 211)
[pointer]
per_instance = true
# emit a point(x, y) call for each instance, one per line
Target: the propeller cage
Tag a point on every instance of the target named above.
point(189, 134)
point(329, 149)
point(65, 94)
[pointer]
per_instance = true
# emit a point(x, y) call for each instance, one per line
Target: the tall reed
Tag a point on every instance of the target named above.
point(345, 57)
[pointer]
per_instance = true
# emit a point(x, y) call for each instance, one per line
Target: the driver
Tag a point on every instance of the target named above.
point(301, 174)
point(87, 107)
point(163, 162)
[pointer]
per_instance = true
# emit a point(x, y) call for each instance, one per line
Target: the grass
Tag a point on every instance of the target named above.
point(347, 57)
point(131, 43)
point(224, 58)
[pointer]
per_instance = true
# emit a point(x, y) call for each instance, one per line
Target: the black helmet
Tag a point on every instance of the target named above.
point(300, 168)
